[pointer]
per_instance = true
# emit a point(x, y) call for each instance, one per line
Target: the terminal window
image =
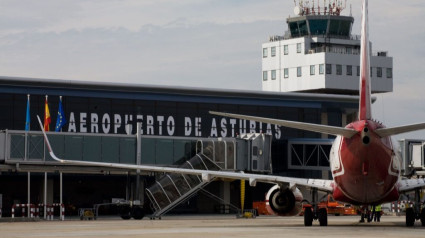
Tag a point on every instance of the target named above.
point(312, 69)
point(285, 50)
point(264, 75)
point(264, 52)
point(299, 72)
point(298, 47)
point(358, 70)
point(371, 71)
point(273, 51)
point(286, 72)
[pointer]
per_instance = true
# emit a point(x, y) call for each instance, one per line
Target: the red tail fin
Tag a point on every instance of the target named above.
point(365, 110)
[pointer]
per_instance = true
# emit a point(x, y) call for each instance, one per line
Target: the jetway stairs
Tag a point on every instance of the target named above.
point(172, 189)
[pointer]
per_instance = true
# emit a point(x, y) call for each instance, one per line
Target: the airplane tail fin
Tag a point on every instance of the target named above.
point(365, 105)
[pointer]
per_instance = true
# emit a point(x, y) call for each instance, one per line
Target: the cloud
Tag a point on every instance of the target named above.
point(209, 43)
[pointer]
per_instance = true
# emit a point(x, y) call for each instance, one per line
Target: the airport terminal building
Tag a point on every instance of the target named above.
point(114, 109)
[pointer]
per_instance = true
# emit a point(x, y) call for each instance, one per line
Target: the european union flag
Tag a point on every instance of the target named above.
point(61, 120)
point(28, 118)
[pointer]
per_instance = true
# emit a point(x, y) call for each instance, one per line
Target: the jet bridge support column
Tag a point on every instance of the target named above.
point(29, 194)
point(138, 160)
point(225, 191)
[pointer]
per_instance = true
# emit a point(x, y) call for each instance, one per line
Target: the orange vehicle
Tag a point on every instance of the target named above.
point(260, 206)
point(332, 206)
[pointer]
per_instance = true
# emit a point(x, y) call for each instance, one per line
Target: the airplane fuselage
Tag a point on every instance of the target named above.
point(365, 167)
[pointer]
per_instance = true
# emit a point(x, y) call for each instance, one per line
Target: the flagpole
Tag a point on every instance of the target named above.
point(28, 116)
point(60, 100)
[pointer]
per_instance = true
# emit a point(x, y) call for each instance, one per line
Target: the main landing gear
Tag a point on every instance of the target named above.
point(314, 213)
point(415, 213)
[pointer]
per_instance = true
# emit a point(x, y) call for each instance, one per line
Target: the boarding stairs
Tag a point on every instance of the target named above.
point(173, 189)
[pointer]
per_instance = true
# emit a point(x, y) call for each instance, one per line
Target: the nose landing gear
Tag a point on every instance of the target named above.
point(314, 213)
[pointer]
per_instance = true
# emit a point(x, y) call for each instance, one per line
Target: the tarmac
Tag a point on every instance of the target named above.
point(212, 226)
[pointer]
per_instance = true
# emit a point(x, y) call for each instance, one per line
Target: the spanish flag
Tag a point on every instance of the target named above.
point(47, 118)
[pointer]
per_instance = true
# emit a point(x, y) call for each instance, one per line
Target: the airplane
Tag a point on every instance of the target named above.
point(364, 166)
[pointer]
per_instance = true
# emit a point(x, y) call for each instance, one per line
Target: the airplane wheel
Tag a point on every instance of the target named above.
point(125, 212)
point(137, 213)
point(410, 217)
point(323, 217)
point(308, 217)
point(423, 217)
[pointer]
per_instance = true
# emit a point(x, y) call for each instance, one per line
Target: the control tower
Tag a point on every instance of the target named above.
point(318, 54)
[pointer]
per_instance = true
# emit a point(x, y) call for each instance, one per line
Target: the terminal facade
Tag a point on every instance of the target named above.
point(165, 112)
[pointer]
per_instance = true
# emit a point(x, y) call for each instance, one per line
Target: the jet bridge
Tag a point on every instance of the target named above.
point(25, 151)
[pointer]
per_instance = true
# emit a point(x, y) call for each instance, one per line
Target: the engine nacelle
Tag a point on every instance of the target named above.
point(284, 202)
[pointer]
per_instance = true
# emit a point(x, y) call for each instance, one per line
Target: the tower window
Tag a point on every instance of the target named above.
point(312, 69)
point(338, 69)
point(265, 52)
point(299, 72)
point(264, 75)
point(389, 73)
point(349, 70)
point(379, 72)
point(328, 69)
point(321, 69)
point(273, 51)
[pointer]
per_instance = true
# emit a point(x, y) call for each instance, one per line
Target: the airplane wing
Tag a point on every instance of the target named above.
point(331, 130)
point(207, 175)
point(407, 185)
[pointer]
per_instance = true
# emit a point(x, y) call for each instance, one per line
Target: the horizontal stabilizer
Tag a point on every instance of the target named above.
point(385, 132)
point(331, 130)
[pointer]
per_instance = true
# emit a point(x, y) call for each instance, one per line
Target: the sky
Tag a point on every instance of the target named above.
point(197, 43)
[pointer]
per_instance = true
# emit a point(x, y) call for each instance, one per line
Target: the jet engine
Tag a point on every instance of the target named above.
point(284, 201)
